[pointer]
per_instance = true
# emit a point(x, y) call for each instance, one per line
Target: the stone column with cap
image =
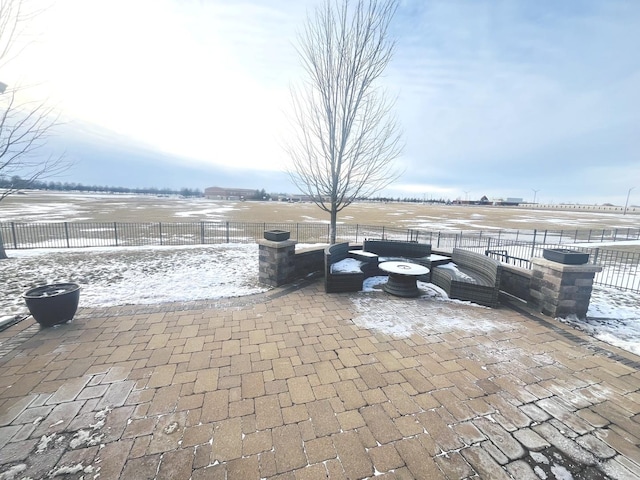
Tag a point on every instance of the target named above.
point(560, 290)
point(276, 262)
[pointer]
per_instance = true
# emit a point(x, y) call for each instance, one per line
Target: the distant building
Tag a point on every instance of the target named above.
point(509, 201)
point(301, 198)
point(485, 201)
point(218, 193)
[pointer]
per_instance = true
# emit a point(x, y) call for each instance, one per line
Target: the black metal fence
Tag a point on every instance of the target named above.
point(90, 234)
point(516, 247)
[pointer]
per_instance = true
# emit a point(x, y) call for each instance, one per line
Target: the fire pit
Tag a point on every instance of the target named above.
point(53, 304)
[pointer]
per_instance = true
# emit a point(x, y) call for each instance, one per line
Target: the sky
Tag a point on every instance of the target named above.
point(508, 99)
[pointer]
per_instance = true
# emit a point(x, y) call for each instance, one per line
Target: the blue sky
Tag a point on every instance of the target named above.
point(496, 98)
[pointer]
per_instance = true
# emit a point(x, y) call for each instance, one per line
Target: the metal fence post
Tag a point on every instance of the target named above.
point(202, 233)
point(356, 233)
point(227, 225)
point(533, 245)
point(439, 239)
point(160, 231)
point(115, 232)
point(13, 234)
point(66, 233)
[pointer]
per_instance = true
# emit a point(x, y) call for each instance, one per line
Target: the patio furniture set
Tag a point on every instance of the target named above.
point(464, 275)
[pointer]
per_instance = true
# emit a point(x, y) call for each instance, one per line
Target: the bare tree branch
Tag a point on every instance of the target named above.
point(24, 130)
point(346, 137)
point(25, 125)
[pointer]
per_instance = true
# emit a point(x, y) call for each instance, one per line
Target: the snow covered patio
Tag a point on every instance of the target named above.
point(297, 384)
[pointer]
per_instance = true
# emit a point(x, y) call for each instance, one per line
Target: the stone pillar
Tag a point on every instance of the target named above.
point(560, 290)
point(277, 262)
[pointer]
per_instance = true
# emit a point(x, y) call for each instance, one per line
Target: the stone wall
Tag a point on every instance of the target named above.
point(516, 281)
point(310, 260)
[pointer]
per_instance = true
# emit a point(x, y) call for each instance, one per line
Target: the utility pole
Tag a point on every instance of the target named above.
point(626, 204)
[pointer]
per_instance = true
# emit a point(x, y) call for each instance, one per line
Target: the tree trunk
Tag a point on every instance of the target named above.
point(332, 228)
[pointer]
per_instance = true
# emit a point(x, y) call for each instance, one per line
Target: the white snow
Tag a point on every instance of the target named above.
point(68, 470)
point(347, 265)
point(436, 315)
point(613, 317)
point(133, 275)
point(560, 472)
point(452, 266)
point(13, 472)
point(44, 442)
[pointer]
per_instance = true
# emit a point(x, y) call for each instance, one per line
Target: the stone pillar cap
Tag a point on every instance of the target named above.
point(561, 267)
point(269, 243)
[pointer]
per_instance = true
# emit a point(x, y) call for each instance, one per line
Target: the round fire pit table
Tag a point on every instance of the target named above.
point(402, 278)
point(53, 304)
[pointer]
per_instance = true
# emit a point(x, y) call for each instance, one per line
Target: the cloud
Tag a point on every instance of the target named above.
point(496, 98)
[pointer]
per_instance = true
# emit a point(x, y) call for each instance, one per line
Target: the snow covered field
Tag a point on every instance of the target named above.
point(150, 275)
point(42, 206)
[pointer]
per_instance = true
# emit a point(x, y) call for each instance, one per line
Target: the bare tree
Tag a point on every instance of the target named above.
point(25, 124)
point(345, 135)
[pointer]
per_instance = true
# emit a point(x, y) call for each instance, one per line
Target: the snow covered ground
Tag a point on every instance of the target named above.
point(149, 275)
point(133, 275)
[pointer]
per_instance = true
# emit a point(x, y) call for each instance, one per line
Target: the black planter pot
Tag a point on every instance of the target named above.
point(565, 256)
point(53, 304)
point(276, 235)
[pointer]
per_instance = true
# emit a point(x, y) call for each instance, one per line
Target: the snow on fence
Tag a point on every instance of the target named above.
point(516, 247)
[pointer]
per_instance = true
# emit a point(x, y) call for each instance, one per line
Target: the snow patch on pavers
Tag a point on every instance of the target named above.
point(46, 453)
point(430, 315)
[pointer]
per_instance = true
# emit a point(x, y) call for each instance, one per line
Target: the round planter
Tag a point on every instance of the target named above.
point(53, 304)
point(277, 235)
point(565, 256)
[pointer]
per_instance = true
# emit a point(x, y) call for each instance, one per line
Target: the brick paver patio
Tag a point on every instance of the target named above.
point(290, 385)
